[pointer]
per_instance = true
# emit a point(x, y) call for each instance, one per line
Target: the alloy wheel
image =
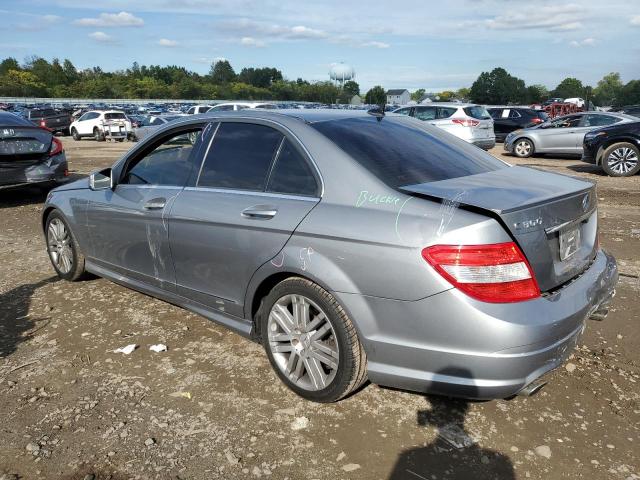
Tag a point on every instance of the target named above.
point(622, 160)
point(303, 342)
point(523, 148)
point(59, 246)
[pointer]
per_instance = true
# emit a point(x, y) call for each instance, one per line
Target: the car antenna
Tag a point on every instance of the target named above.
point(377, 112)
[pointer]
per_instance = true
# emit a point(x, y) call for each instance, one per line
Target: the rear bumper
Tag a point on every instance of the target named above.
point(485, 144)
point(53, 171)
point(450, 344)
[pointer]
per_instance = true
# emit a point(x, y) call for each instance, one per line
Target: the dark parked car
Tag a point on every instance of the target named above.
point(509, 119)
point(29, 154)
point(351, 245)
point(629, 110)
point(616, 149)
point(49, 118)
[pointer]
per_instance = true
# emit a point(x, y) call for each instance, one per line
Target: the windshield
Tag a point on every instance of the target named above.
point(400, 151)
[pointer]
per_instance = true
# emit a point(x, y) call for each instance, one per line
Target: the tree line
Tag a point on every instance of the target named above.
point(37, 77)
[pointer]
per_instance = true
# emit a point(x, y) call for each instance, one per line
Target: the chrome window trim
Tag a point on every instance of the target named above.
point(253, 192)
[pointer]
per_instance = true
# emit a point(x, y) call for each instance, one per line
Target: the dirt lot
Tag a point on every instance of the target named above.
point(210, 407)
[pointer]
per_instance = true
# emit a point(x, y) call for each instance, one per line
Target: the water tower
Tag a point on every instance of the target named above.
point(341, 72)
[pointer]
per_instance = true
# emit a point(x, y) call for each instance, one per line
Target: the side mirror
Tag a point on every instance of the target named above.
point(101, 180)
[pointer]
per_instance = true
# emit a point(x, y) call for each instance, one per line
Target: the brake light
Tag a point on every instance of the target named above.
point(495, 273)
point(56, 147)
point(536, 120)
point(466, 122)
point(43, 124)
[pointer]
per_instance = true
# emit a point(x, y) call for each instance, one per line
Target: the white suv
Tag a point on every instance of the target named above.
point(467, 121)
point(92, 124)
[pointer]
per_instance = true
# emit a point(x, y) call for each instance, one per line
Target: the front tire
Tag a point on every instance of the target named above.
point(523, 148)
point(311, 342)
point(63, 249)
point(621, 160)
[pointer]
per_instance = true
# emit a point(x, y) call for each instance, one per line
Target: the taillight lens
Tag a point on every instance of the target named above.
point(536, 120)
point(56, 147)
point(466, 122)
point(43, 124)
point(495, 273)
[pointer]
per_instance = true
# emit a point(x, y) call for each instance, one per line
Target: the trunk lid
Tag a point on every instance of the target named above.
point(542, 211)
point(21, 148)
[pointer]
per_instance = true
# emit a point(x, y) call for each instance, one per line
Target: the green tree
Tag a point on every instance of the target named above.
point(376, 95)
point(16, 83)
point(260, 77)
point(70, 71)
point(569, 88)
point(630, 94)
point(463, 93)
point(497, 87)
point(608, 89)
point(537, 93)
point(418, 94)
point(222, 72)
point(9, 64)
point(351, 88)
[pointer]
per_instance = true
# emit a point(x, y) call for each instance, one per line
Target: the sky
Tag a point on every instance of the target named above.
point(436, 45)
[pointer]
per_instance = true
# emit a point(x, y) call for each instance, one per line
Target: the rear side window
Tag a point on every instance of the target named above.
point(291, 173)
point(514, 114)
point(240, 157)
point(446, 112)
point(477, 111)
point(400, 152)
point(599, 120)
point(495, 112)
point(425, 113)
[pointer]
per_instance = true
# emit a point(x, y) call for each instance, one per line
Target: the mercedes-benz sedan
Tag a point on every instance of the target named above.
point(353, 246)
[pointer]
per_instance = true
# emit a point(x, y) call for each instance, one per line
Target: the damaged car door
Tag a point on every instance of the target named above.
point(129, 224)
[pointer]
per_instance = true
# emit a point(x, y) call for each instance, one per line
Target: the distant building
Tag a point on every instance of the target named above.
point(398, 96)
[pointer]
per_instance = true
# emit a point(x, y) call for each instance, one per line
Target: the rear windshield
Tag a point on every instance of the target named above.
point(115, 116)
point(478, 112)
point(43, 112)
point(400, 152)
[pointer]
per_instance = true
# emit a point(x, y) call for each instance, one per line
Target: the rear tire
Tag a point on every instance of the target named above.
point(98, 135)
point(63, 249)
point(523, 148)
point(314, 348)
point(621, 160)
point(75, 135)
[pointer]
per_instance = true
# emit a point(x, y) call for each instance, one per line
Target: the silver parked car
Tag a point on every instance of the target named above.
point(150, 124)
point(353, 246)
point(467, 121)
point(562, 135)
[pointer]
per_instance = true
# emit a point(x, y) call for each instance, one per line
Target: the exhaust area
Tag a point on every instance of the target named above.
point(531, 389)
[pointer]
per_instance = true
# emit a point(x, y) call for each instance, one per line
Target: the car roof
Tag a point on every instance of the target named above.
point(8, 119)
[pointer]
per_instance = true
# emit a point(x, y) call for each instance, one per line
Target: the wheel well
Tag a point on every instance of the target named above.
point(45, 216)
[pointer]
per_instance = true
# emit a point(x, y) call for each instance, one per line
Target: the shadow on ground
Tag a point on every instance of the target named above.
point(19, 196)
point(15, 324)
point(453, 454)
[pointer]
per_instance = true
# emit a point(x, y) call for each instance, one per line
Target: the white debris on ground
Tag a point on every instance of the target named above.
point(126, 350)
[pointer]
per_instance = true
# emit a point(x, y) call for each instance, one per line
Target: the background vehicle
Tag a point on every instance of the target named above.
point(223, 107)
point(561, 135)
point(508, 119)
point(29, 154)
point(472, 123)
point(150, 124)
point(54, 120)
point(251, 245)
point(198, 109)
point(633, 110)
point(92, 124)
point(616, 149)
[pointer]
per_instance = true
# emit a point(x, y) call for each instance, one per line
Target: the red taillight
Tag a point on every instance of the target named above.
point(465, 122)
point(496, 273)
point(56, 147)
point(43, 124)
point(536, 120)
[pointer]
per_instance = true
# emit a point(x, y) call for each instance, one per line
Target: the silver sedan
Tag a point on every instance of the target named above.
point(562, 135)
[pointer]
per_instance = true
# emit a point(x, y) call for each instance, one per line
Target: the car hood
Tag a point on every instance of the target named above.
point(80, 184)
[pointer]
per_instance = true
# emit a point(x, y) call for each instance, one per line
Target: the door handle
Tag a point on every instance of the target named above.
point(155, 204)
point(260, 212)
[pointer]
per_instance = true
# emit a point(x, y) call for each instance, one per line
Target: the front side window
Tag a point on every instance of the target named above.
point(240, 156)
point(291, 173)
point(166, 164)
point(567, 122)
point(403, 111)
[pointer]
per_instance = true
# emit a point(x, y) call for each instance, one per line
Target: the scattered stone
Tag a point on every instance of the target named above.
point(350, 467)
point(117, 332)
point(231, 458)
point(52, 343)
point(484, 459)
point(89, 476)
point(543, 451)
point(149, 441)
point(256, 471)
point(34, 448)
point(300, 423)
point(570, 367)
point(514, 448)
point(341, 456)
point(9, 476)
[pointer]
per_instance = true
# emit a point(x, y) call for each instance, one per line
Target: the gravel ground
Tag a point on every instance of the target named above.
point(210, 407)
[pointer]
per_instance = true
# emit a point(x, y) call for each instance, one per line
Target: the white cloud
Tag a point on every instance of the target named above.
point(375, 44)
point(102, 37)
point(122, 19)
point(165, 42)
point(38, 22)
point(587, 42)
point(552, 18)
point(635, 20)
point(244, 26)
point(252, 42)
